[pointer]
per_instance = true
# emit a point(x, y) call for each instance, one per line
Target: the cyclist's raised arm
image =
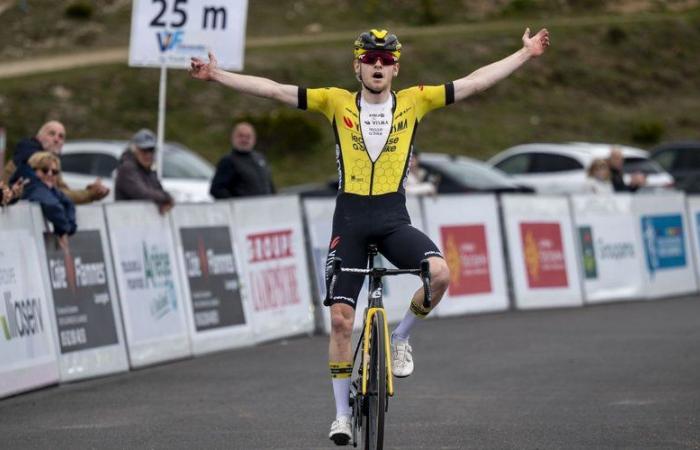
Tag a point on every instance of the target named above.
point(485, 77)
point(262, 87)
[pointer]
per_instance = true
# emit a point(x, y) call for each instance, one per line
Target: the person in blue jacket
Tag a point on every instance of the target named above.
point(42, 173)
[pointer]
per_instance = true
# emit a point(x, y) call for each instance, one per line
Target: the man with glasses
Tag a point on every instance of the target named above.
point(374, 130)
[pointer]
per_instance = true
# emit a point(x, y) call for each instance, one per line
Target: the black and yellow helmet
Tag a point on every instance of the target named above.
point(379, 40)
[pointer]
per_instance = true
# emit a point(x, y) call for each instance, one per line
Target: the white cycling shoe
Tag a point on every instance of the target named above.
point(341, 430)
point(401, 358)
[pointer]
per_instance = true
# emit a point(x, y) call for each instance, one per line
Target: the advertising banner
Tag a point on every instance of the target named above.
point(155, 315)
point(212, 280)
point(27, 346)
point(466, 229)
point(269, 236)
point(397, 291)
point(610, 248)
point(694, 219)
point(86, 309)
point(668, 263)
point(541, 251)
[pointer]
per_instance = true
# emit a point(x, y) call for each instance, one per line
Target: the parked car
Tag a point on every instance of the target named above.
point(450, 173)
point(682, 160)
point(561, 168)
point(186, 176)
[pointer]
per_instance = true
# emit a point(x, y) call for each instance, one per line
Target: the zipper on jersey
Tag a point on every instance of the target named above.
point(362, 137)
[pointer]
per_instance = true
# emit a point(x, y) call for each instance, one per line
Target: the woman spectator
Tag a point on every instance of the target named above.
point(598, 179)
point(42, 189)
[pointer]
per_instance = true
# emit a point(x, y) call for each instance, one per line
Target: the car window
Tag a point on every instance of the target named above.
point(82, 163)
point(550, 162)
point(665, 158)
point(180, 164)
point(644, 165)
point(515, 165)
point(469, 174)
point(105, 165)
point(687, 159)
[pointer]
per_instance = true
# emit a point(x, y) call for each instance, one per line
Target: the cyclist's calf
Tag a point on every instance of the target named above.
point(439, 279)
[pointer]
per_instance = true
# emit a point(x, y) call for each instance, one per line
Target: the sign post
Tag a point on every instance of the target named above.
point(167, 33)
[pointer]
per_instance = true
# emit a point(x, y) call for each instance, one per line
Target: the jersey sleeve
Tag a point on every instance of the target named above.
point(320, 100)
point(428, 98)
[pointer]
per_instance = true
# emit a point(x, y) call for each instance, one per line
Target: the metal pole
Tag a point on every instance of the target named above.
point(162, 91)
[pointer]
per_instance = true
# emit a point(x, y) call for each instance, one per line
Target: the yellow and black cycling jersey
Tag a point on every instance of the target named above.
point(358, 174)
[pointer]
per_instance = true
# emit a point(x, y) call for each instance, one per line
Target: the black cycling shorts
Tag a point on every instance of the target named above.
point(382, 220)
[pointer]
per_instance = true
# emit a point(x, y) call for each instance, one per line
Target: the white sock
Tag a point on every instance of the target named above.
point(341, 392)
point(403, 331)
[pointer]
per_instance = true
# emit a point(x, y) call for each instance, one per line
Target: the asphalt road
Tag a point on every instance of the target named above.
point(618, 376)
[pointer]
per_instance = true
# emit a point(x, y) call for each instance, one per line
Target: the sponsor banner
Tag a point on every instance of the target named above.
point(609, 247)
point(694, 219)
point(397, 291)
point(466, 229)
point(27, 348)
point(269, 237)
point(668, 264)
point(541, 251)
point(212, 279)
point(155, 317)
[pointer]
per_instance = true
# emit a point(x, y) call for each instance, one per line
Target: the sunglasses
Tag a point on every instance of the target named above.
point(148, 149)
point(371, 57)
point(50, 171)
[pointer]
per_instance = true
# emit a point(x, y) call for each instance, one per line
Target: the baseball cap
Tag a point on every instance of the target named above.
point(144, 138)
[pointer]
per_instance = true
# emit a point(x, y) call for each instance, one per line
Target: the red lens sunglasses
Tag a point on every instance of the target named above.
point(371, 57)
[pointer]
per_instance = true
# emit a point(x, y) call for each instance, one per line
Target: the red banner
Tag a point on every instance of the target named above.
point(544, 255)
point(467, 256)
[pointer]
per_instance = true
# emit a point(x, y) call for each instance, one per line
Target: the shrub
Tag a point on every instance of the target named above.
point(648, 132)
point(79, 10)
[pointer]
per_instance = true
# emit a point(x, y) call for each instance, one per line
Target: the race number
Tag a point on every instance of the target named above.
point(169, 32)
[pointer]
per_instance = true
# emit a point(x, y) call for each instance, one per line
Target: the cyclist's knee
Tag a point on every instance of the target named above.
point(440, 274)
point(342, 318)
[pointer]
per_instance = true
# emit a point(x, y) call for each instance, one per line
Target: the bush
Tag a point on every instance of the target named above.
point(615, 35)
point(648, 132)
point(280, 133)
point(79, 10)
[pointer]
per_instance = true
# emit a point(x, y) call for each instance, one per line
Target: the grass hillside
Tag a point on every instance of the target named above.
point(628, 78)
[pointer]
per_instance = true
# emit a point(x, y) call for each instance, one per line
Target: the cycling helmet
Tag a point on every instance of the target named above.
point(377, 40)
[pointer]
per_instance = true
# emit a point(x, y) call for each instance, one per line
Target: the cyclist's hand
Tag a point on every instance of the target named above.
point(536, 44)
point(202, 70)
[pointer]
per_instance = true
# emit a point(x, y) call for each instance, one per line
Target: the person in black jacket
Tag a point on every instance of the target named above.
point(243, 172)
point(615, 162)
point(136, 180)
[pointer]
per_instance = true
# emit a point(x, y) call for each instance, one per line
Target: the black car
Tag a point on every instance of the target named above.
point(451, 174)
point(682, 160)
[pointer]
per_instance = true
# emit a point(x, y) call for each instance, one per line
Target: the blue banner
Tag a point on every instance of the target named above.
point(664, 242)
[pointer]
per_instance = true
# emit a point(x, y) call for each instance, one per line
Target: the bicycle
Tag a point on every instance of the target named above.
point(373, 383)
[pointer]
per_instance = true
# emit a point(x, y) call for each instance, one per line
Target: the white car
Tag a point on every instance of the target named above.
point(186, 176)
point(561, 168)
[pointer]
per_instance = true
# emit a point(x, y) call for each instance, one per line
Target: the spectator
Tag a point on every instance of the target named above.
point(11, 194)
point(418, 182)
point(616, 161)
point(136, 180)
point(243, 172)
point(598, 178)
point(42, 171)
point(51, 137)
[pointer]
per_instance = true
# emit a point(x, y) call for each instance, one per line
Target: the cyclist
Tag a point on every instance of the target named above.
point(374, 130)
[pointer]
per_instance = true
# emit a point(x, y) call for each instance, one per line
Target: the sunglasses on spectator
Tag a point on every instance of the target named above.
point(371, 57)
point(50, 171)
point(148, 149)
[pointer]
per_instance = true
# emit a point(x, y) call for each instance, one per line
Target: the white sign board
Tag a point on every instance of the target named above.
point(694, 219)
point(609, 245)
point(541, 251)
point(155, 315)
point(27, 348)
point(466, 229)
point(212, 281)
point(668, 262)
point(270, 239)
point(169, 32)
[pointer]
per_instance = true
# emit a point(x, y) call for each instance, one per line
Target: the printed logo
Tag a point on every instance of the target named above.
point(467, 256)
point(544, 255)
point(590, 268)
point(400, 126)
point(168, 40)
point(22, 317)
point(335, 242)
point(348, 122)
point(664, 242)
point(273, 273)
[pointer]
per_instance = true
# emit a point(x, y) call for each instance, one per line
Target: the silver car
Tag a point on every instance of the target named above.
point(186, 175)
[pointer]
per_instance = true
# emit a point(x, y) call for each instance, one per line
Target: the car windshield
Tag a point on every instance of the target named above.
point(472, 173)
point(182, 164)
point(646, 166)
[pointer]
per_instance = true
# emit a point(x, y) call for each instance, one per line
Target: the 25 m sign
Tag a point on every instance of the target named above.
point(170, 32)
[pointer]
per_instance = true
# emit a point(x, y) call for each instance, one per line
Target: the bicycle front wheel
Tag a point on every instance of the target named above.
point(376, 388)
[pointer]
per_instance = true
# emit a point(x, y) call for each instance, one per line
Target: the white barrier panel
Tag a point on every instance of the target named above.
point(694, 219)
point(541, 250)
point(27, 348)
point(211, 277)
point(155, 315)
point(669, 268)
point(85, 307)
point(467, 230)
point(270, 238)
point(610, 248)
point(397, 290)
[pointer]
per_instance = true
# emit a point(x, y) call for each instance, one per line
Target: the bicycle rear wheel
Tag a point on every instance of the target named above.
point(373, 426)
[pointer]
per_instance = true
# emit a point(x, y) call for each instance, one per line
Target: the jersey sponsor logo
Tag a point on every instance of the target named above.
point(348, 122)
point(402, 112)
point(543, 251)
point(399, 126)
point(335, 242)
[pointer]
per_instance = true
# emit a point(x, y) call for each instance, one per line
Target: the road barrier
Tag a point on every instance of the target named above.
point(210, 277)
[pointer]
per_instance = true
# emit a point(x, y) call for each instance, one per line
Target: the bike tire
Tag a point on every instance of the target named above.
point(373, 426)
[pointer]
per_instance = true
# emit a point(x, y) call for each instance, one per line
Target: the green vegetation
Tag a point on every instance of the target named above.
point(629, 79)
